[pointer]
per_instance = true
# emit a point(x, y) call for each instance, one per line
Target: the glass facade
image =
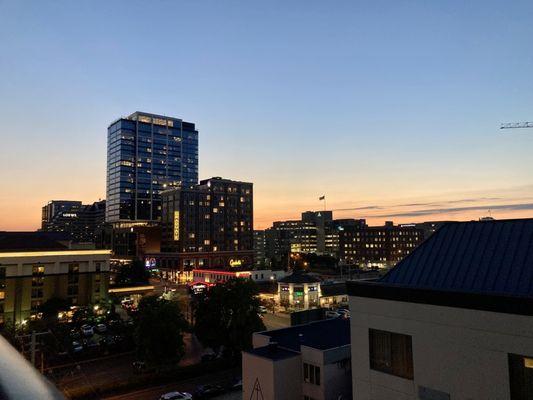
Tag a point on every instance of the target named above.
point(147, 154)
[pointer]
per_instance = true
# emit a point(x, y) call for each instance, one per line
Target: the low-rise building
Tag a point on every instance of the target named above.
point(453, 320)
point(299, 290)
point(34, 268)
point(310, 362)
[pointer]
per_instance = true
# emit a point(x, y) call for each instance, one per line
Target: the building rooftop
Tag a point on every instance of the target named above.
point(299, 277)
point(488, 257)
point(333, 289)
point(273, 352)
point(29, 241)
point(478, 265)
point(322, 335)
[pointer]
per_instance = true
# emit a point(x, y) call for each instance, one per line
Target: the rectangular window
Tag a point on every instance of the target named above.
point(38, 270)
point(520, 376)
point(312, 374)
point(36, 293)
point(391, 353)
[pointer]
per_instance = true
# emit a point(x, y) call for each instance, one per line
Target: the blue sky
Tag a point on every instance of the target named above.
point(378, 103)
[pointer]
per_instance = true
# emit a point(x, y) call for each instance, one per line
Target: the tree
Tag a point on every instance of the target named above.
point(159, 331)
point(134, 273)
point(228, 315)
point(51, 307)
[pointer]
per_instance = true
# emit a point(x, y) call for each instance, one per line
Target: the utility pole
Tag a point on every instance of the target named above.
point(32, 348)
point(33, 345)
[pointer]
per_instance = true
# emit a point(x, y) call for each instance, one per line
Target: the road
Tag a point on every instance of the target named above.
point(101, 372)
point(276, 321)
point(187, 385)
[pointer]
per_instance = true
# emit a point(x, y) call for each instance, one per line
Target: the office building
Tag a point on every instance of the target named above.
point(315, 233)
point(377, 246)
point(209, 226)
point(453, 320)
point(147, 154)
point(34, 268)
point(310, 361)
point(80, 222)
point(260, 244)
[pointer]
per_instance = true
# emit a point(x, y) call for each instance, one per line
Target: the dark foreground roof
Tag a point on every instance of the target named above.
point(28, 241)
point(299, 277)
point(322, 335)
point(484, 265)
point(491, 257)
point(333, 289)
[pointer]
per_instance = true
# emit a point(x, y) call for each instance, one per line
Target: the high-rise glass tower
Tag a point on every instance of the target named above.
point(147, 154)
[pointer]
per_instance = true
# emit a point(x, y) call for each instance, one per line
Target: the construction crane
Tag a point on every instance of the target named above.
point(515, 125)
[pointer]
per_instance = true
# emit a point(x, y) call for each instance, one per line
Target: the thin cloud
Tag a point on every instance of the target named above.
point(449, 210)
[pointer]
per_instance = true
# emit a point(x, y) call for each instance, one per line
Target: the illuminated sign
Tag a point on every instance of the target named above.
point(154, 120)
point(235, 263)
point(70, 215)
point(176, 225)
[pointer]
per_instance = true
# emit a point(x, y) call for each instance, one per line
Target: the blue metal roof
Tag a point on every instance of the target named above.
point(488, 257)
point(323, 335)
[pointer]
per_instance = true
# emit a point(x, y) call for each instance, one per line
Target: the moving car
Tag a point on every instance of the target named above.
point(206, 391)
point(176, 396)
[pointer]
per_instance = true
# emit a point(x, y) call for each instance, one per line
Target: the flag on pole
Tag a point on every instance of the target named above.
point(322, 198)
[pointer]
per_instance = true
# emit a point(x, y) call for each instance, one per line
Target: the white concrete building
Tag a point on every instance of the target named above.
point(310, 362)
point(299, 290)
point(454, 320)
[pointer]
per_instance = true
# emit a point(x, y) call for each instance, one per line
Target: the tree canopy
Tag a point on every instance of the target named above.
point(159, 331)
point(228, 315)
point(134, 273)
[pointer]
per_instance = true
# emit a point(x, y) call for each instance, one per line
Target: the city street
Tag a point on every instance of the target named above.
point(101, 372)
point(276, 321)
point(188, 385)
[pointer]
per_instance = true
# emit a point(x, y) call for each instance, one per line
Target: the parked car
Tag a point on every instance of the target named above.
point(74, 334)
point(206, 391)
point(176, 396)
point(332, 314)
point(101, 328)
point(76, 347)
point(87, 330)
point(263, 309)
point(91, 343)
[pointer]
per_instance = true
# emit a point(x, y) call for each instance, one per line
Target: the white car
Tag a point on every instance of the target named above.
point(263, 309)
point(332, 314)
point(176, 396)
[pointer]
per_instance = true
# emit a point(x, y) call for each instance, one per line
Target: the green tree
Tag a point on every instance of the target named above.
point(51, 307)
point(159, 331)
point(228, 315)
point(134, 273)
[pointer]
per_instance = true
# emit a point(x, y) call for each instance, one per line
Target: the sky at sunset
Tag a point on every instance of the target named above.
point(391, 109)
